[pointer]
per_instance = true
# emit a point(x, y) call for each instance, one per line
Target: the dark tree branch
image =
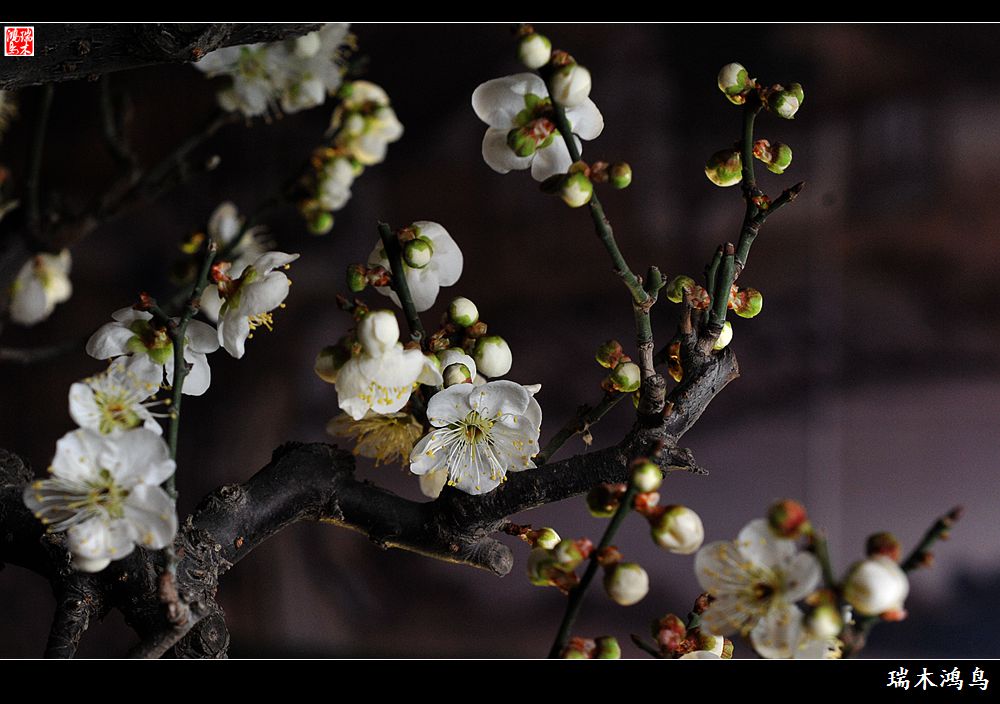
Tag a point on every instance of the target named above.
point(78, 600)
point(65, 52)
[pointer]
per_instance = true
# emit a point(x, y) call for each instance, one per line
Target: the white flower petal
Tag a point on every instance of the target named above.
point(449, 405)
point(424, 287)
point(264, 294)
point(153, 516)
point(272, 260)
point(500, 398)
point(130, 315)
point(497, 102)
point(758, 543)
point(553, 159)
point(499, 156)
point(147, 372)
point(110, 340)
point(76, 454)
point(199, 377)
point(424, 459)
point(29, 304)
point(234, 329)
point(138, 456)
point(200, 337)
point(432, 483)
point(586, 120)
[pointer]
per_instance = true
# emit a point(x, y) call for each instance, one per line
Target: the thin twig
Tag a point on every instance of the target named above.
point(586, 417)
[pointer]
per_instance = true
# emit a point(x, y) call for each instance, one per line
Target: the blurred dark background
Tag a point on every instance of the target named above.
point(869, 391)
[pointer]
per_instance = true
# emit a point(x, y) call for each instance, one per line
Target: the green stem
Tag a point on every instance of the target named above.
point(578, 592)
point(821, 550)
point(394, 253)
point(35, 165)
point(586, 417)
point(723, 283)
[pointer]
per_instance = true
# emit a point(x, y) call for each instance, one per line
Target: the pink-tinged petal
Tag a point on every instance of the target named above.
point(499, 156)
point(110, 340)
point(553, 159)
point(497, 102)
point(586, 120)
point(153, 516)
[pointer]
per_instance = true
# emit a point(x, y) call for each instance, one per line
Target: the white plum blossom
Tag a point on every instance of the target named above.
point(294, 74)
point(782, 633)
point(755, 579)
point(249, 299)
point(521, 102)
point(383, 375)
point(335, 181)
point(151, 352)
point(105, 491)
point(112, 402)
point(365, 123)
point(41, 283)
point(479, 434)
point(443, 269)
point(224, 226)
point(383, 438)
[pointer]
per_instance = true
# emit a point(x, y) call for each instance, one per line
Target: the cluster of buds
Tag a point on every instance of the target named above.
point(735, 83)
point(675, 640)
point(675, 528)
point(604, 648)
point(683, 288)
point(327, 185)
point(461, 328)
point(576, 186)
point(625, 376)
point(776, 157)
point(555, 566)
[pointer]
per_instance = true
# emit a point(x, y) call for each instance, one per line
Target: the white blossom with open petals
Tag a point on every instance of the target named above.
point(444, 268)
point(105, 491)
point(250, 299)
point(150, 351)
point(365, 123)
point(382, 377)
point(479, 434)
point(112, 402)
point(224, 226)
point(522, 101)
point(41, 283)
point(755, 579)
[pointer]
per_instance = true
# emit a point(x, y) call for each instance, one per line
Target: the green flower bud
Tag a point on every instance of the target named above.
point(784, 103)
point(608, 649)
point(678, 287)
point(626, 583)
point(357, 278)
point(576, 190)
point(626, 377)
point(620, 175)
point(540, 563)
point(534, 50)
point(609, 354)
point(647, 477)
point(724, 168)
point(320, 222)
point(492, 356)
point(725, 337)
point(567, 555)
point(777, 157)
point(679, 530)
point(417, 252)
point(747, 303)
point(457, 374)
point(329, 361)
point(522, 141)
point(734, 80)
point(463, 312)
point(796, 90)
point(788, 519)
point(571, 85)
point(547, 538)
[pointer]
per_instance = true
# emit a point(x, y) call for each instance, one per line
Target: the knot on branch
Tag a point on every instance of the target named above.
point(181, 42)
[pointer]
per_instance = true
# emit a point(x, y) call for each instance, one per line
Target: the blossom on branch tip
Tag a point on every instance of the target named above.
point(443, 269)
point(224, 227)
point(112, 402)
point(382, 375)
point(478, 434)
point(104, 491)
point(365, 123)
point(534, 50)
point(151, 352)
point(519, 105)
point(42, 282)
point(249, 299)
point(571, 84)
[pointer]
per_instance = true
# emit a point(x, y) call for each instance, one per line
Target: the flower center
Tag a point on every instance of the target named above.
point(475, 427)
point(68, 502)
point(150, 340)
point(261, 320)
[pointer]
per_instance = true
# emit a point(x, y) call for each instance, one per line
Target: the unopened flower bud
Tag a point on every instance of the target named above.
point(329, 361)
point(576, 190)
point(378, 332)
point(784, 103)
point(463, 312)
point(776, 157)
point(522, 141)
point(567, 555)
point(884, 544)
point(492, 355)
point(620, 175)
point(746, 302)
point(417, 252)
point(626, 583)
point(320, 222)
point(788, 519)
point(796, 90)
point(626, 377)
point(540, 564)
point(724, 168)
point(824, 621)
point(725, 337)
point(608, 648)
point(678, 529)
point(357, 278)
point(646, 477)
point(670, 633)
point(603, 500)
point(546, 538)
point(571, 85)
point(678, 286)
point(875, 586)
point(457, 374)
point(534, 50)
point(579, 649)
point(734, 81)
point(609, 354)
